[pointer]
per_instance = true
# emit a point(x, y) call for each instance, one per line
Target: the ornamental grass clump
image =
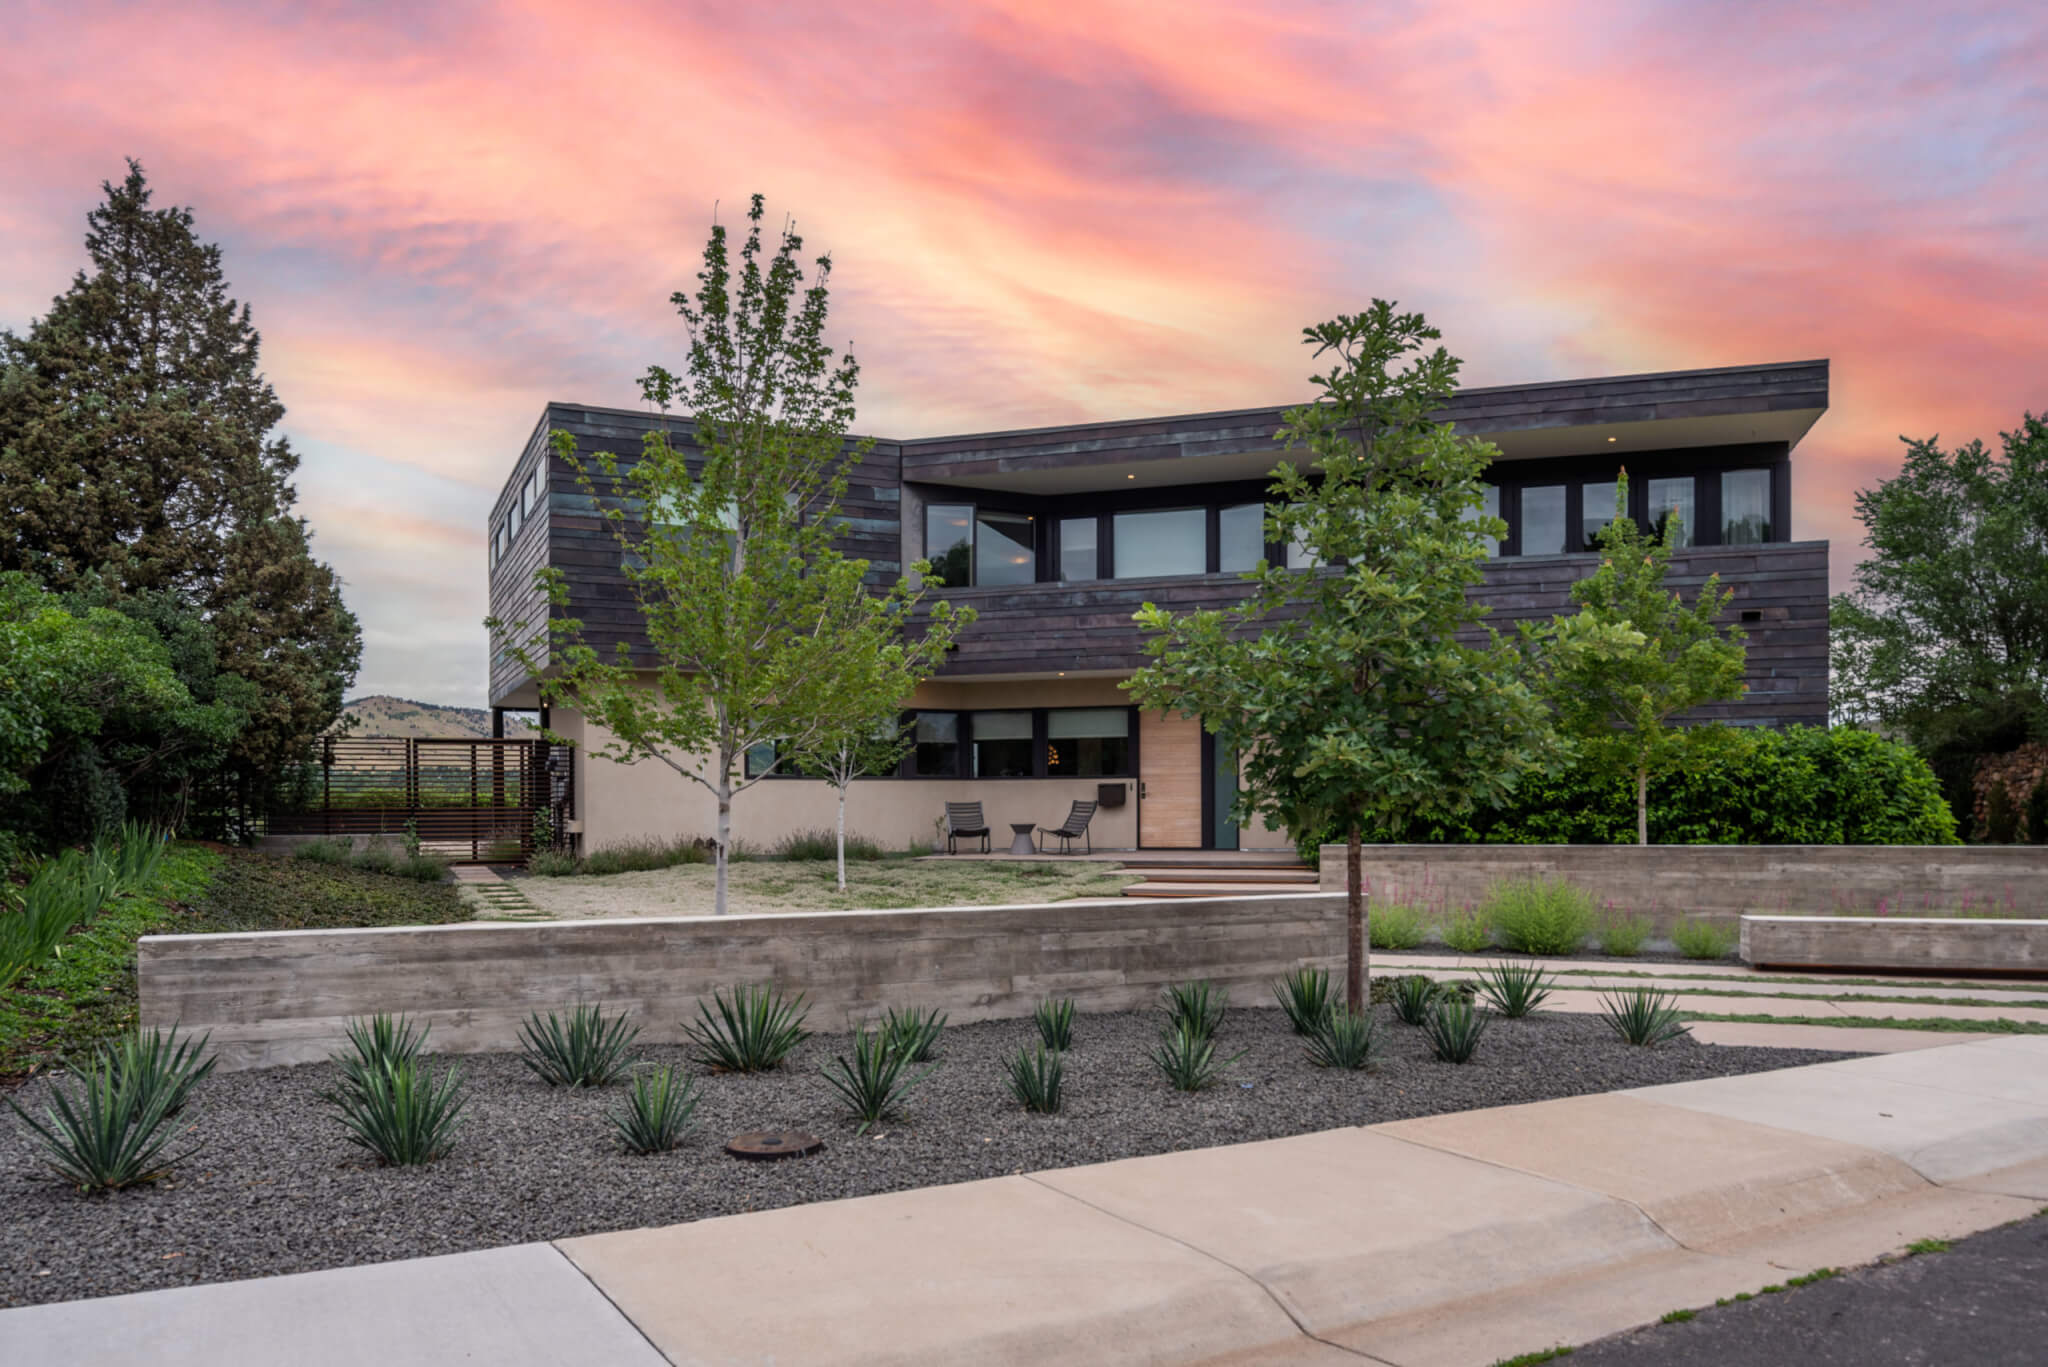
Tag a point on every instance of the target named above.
point(1394, 926)
point(1194, 1008)
point(589, 1049)
point(1342, 1039)
point(872, 1082)
point(754, 1031)
point(1704, 939)
point(110, 1134)
point(1514, 989)
point(1468, 932)
point(1188, 1059)
point(659, 1111)
point(1304, 995)
point(1540, 915)
point(1641, 1016)
point(1037, 1076)
point(913, 1032)
point(1055, 1020)
point(158, 1062)
point(1622, 937)
point(1453, 1028)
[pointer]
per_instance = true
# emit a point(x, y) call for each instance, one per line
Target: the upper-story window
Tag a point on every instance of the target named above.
point(530, 496)
point(1745, 507)
point(1167, 541)
point(1544, 524)
point(1672, 499)
point(1079, 557)
point(967, 545)
point(1240, 537)
point(1596, 511)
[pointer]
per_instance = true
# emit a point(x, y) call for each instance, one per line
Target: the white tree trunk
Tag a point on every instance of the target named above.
point(724, 840)
point(842, 837)
point(1642, 805)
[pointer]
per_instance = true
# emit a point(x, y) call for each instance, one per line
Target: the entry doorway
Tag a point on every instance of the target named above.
point(1170, 811)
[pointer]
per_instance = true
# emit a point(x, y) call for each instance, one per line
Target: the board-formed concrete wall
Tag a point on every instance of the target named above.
point(1914, 944)
point(1666, 882)
point(273, 997)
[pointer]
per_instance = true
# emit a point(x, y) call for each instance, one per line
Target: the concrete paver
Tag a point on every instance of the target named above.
point(522, 1306)
point(1848, 1039)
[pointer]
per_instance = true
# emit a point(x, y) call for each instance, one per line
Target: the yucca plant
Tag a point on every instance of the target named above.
point(1641, 1015)
point(872, 1081)
point(1514, 989)
point(1055, 1019)
point(589, 1049)
point(1304, 995)
point(658, 1111)
point(1412, 995)
point(111, 1134)
point(1188, 1060)
point(160, 1062)
point(1453, 1029)
point(1037, 1076)
point(399, 1112)
point(913, 1032)
point(1342, 1039)
point(376, 1043)
point(754, 1031)
point(1196, 1008)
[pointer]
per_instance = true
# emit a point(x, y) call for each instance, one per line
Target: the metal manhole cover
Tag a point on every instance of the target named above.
point(761, 1145)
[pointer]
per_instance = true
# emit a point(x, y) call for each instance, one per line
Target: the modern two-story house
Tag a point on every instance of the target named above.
point(1056, 535)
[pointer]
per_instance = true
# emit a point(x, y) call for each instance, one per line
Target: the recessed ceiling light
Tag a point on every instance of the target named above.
point(1614, 439)
point(1130, 476)
point(1063, 673)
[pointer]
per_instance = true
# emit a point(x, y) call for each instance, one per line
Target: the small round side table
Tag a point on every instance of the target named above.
point(1021, 842)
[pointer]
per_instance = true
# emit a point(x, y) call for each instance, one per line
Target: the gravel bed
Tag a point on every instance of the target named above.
point(276, 1187)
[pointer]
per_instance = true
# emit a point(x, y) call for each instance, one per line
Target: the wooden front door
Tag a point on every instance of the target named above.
point(1169, 782)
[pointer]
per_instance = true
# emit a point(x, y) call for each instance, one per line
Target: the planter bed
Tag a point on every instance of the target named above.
point(278, 1189)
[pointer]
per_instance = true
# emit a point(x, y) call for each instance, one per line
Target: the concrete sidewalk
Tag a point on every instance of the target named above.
point(1452, 1240)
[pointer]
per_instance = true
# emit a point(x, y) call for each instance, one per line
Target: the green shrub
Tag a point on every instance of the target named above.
point(2001, 818)
point(640, 856)
point(2037, 812)
point(400, 1113)
point(1540, 915)
point(754, 1031)
point(1188, 1059)
point(872, 1082)
point(1054, 1017)
point(1304, 995)
point(551, 864)
point(1468, 932)
point(1194, 1008)
point(252, 891)
point(913, 1032)
point(421, 868)
point(111, 1134)
point(65, 892)
point(1037, 1078)
point(1342, 1039)
point(1622, 937)
point(658, 1111)
point(1411, 995)
point(1704, 939)
point(159, 1063)
point(337, 849)
point(1641, 1015)
point(1453, 1028)
point(820, 844)
point(1514, 989)
point(589, 1049)
point(1394, 926)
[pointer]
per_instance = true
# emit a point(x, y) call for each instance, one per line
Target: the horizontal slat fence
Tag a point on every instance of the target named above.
point(473, 801)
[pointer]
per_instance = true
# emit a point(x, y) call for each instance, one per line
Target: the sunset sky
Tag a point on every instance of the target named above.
point(1040, 213)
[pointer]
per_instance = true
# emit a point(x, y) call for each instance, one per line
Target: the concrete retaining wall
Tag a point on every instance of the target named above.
point(1666, 882)
point(283, 996)
point(1912, 944)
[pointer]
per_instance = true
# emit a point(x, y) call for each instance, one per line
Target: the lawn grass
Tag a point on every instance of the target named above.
point(782, 885)
point(86, 995)
point(1940, 1024)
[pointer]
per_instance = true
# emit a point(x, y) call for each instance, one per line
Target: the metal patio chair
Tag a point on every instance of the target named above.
point(964, 819)
point(1075, 828)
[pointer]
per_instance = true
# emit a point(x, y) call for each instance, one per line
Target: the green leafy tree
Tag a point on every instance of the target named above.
point(746, 605)
point(1669, 656)
point(138, 455)
point(1943, 637)
point(1347, 689)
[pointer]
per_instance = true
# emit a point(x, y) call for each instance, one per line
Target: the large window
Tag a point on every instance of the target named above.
point(1543, 519)
point(1489, 506)
point(1671, 498)
point(949, 541)
point(1745, 507)
point(1596, 511)
point(1077, 549)
point(1087, 742)
point(1003, 548)
point(1172, 541)
point(529, 497)
point(1241, 537)
point(936, 753)
point(1002, 744)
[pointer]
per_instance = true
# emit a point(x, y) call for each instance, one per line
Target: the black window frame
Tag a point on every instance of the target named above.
point(1704, 465)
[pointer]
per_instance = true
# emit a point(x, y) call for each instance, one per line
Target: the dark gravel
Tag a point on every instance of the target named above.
point(277, 1188)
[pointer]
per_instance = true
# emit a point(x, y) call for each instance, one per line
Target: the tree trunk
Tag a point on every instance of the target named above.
point(1355, 968)
point(842, 837)
point(724, 840)
point(1642, 804)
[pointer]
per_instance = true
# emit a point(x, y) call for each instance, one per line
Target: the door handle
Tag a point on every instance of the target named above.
point(1141, 789)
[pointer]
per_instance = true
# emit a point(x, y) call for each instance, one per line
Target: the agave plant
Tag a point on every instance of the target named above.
point(1188, 1060)
point(1453, 1029)
point(754, 1031)
point(160, 1062)
point(658, 1111)
point(111, 1134)
point(1342, 1039)
point(872, 1081)
point(1514, 989)
point(1412, 996)
point(1304, 995)
point(1642, 1016)
point(1037, 1078)
point(1055, 1019)
point(913, 1032)
point(399, 1112)
point(589, 1049)
point(1195, 1008)
point(378, 1043)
